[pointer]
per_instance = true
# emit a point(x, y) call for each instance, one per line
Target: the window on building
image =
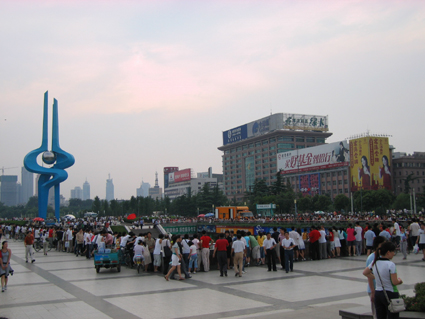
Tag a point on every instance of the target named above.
point(265, 142)
point(265, 160)
point(299, 139)
point(320, 140)
point(251, 153)
point(258, 156)
point(272, 140)
point(310, 140)
point(300, 146)
point(272, 153)
point(285, 139)
point(239, 148)
point(258, 144)
point(272, 147)
point(273, 159)
point(334, 183)
point(265, 149)
point(245, 147)
point(227, 152)
point(257, 151)
point(251, 145)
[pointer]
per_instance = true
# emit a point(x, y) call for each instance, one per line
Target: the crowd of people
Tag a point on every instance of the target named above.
point(187, 255)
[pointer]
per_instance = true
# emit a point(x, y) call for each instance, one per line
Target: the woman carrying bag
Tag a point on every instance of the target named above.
point(383, 270)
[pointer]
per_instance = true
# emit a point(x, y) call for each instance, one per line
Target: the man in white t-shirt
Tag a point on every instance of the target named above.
point(396, 232)
point(68, 239)
point(322, 243)
point(421, 240)
point(414, 231)
point(359, 242)
point(157, 257)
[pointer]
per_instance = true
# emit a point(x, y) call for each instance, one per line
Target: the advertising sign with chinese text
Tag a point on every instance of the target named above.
point(309, 184)
point(305, 122)
point(314, 158)
point(369, 163)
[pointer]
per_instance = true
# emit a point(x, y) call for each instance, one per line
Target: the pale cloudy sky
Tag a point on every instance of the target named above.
point(147, 84)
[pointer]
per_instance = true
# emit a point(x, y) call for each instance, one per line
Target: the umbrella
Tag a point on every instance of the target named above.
point(70, 216)
point(38, 219)
point(209, 215)
point(131, 216)
point(202, 215)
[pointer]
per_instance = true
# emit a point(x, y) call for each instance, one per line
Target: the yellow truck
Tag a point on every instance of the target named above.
point(233, 212)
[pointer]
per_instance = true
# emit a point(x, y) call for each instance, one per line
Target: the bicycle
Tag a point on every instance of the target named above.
point(139, 263)
point(38, 245)
point(125, 258)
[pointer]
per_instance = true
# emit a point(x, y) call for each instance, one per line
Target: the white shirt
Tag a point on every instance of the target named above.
point(124, 240)
point(138, 250)
point(414, 229)
point(186, 248)
point(421, 234)
point(238, 246)
point(385, 269)
point(358, 230)
point(196, 242)
point(268, 243)
point(287, 243)
point(397, 229)
point(69, 234)
point(157, 249)
point(295, 236)
point(193, 250)
point(322, 238)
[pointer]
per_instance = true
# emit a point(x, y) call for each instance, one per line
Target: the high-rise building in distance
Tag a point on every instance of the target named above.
point(86, 190)
point(156, 191)
point(143, 191)
point(9, 190)
point(109, 189)
point(27, 186)
point(77, 192)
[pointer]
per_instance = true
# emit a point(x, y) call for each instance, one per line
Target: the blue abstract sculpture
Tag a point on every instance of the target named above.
point(56, 174)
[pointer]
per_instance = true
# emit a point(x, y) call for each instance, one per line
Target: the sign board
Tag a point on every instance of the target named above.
point(222, 229)
point(305, 122)
point(370, 163)
point(314, 158)
point(180, 230)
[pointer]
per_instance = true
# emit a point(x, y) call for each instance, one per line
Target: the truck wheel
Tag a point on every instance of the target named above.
point(97, 269)
point(119, 268)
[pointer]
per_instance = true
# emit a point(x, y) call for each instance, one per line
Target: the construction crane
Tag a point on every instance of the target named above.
point(3, 168)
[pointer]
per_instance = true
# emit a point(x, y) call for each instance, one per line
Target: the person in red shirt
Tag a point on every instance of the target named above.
point(221, 250)
point(314, 243)
point(205, 246)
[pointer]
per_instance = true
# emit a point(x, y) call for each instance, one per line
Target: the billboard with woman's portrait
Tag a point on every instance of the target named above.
point(370, 163)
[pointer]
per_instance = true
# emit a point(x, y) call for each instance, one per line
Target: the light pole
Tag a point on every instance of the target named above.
point(414, 201)
point(295, 202)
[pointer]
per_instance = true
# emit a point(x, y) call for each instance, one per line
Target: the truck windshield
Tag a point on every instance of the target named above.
point(247, 214)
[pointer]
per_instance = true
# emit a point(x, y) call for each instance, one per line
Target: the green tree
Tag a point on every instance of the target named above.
point(342, 202)
point(304, 204)
point(323, 203)
point(96, 205)
point(402, 201)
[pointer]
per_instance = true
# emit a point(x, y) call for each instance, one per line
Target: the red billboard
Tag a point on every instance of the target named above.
point(182, 176)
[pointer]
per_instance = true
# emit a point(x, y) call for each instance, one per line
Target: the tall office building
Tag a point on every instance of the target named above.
point(86, 190)
point(77, 192)
point(109, 189)
point(156, 191)
point(27, 186)
point(250, 150)
point(9, 190)
point(143, 191)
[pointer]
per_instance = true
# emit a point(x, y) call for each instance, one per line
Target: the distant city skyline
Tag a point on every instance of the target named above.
point(150, 84)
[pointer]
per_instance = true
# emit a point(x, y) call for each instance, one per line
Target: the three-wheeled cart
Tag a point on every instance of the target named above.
point(107, 258)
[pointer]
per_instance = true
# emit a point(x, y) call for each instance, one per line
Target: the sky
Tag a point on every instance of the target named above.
point(142, 85)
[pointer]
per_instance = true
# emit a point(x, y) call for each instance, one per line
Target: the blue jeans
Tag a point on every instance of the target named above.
point(193, 261)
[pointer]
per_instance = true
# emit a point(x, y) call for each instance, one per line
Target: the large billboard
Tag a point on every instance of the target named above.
point(313, 158)
point(305, 122)
point(182, 176)
point(369, 163)
point(274, 122)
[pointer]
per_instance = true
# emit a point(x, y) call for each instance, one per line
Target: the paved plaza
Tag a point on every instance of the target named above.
point(62, 285)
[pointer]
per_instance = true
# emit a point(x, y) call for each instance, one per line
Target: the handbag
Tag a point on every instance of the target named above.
point(416, 249)
point(394, 305)
point(167, 251)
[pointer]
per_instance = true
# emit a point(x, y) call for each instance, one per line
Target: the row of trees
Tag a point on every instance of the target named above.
point(286, 200)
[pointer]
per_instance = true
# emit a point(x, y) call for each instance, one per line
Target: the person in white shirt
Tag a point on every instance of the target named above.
point(414, 231)
point(269, 245)
point(296, 237)
point(157, 257)
point(288, 245)
point(396, 232)
point(68, 240)
point(322, 243)
point(359, 242)
point(421, 240)
point(139, 250)
point(124, 240)
point(239, 250)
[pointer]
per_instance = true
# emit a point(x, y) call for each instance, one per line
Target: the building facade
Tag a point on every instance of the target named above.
point(409, 168)
point(110, 195)
point(9, 190)
point(27, 186)
point(250, 151)
point(143, 190)
point(86, 190)
point(77, 193)
point(156, 191)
